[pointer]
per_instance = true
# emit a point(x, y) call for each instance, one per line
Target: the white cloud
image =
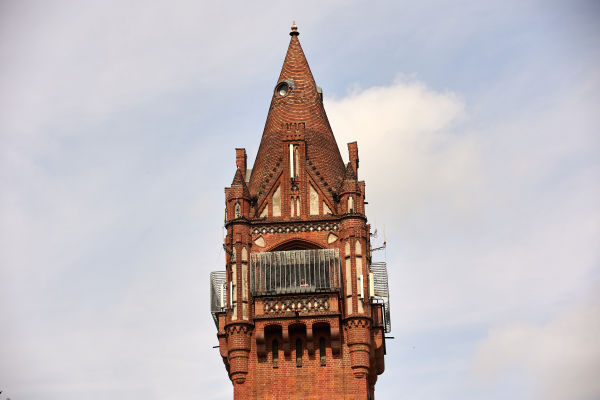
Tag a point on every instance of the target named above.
point(491, 214)
point(405, 143)
point(485, 224)
point(562, 357)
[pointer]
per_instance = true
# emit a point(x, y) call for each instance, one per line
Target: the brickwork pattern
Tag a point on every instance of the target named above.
point(296, 304)
point(303, 105)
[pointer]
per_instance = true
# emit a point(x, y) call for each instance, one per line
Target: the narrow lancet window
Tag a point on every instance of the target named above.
point(350, 204)
point(313, 206)
point(292, 161)
point(322, 354)
point(275, 352)
point(296, 162)
point(359, 275)
point(244, 283)
point(298, 353)
point(238, 210)
point(277, 202)
point(348, 278)
point(234, 285)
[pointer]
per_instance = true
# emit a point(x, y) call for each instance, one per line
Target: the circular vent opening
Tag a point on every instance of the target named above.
point(282, 89)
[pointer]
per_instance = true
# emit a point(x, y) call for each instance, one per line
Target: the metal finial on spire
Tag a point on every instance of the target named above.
point(294, 31)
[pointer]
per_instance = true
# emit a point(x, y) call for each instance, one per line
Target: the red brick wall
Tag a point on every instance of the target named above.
point(312, 381)
point(354, 341)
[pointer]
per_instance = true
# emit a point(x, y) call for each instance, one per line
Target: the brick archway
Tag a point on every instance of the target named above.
point(296, 244)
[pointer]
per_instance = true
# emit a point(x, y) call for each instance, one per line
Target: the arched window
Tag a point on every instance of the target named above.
point(244, 283)
point(276, 199)
point(350, 204)
point(313, 197)
point(359, 275)
point(296, 163)
point(322, 354)
point(275, 351)
point(348, 278)
point(234, 284)
point(298, 352)
point(238, 210)
point(297, 244)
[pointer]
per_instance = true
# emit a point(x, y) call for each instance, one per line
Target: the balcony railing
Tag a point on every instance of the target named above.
point(382, 294)
point(295, 271)
point(218, 291)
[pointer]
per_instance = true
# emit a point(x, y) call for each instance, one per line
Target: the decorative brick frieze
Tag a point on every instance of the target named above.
point(280, 305)
point(296, 228)
point(238, 329)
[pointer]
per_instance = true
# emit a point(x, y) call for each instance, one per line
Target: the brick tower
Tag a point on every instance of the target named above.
point(301, 310)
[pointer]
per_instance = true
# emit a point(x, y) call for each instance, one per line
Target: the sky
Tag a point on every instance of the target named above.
point(478, 133)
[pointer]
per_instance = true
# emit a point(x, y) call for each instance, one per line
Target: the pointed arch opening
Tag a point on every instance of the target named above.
point(275, 353)
point(299, 351)
point(238, 210)
point(296, 244)
point(322, 350)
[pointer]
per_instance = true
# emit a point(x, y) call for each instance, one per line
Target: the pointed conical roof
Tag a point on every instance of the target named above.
point(301, 104)
point(350, 174)
point(238, 181)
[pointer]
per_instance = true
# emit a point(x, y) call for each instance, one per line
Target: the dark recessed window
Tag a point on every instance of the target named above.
point(298, 353)
point(275, 348)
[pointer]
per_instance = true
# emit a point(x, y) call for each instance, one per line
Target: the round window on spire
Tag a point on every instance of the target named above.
point(284, 87)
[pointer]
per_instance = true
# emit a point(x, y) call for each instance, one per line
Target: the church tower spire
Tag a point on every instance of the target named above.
point(301, 310)
point(297, 117)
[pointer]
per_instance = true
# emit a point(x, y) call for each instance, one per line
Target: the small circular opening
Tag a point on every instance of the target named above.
point(282, 89)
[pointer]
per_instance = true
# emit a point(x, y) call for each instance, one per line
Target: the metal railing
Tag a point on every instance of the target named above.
point(382, 294)
point(218, 290)
point(295, 271)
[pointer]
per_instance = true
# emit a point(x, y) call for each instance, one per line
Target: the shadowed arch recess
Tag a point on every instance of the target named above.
point(296, 244)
